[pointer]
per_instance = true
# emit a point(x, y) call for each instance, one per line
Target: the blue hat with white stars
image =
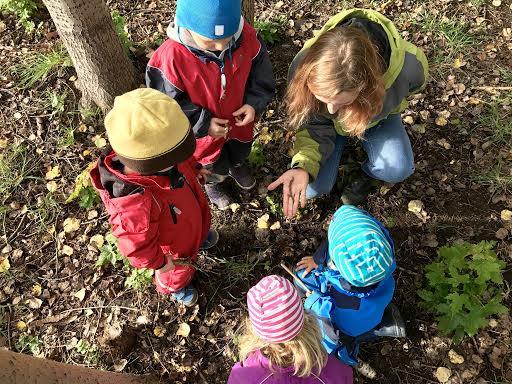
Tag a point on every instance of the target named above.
point(360, 247)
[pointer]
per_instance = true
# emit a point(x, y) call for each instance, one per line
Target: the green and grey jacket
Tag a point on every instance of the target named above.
point(407, 72)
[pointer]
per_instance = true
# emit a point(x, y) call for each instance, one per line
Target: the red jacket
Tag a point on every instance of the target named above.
point(206, 86)
point(155, 215)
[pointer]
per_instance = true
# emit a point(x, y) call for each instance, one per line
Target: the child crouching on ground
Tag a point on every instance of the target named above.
point(351, 276)
point(149, 185)
point(282, 344)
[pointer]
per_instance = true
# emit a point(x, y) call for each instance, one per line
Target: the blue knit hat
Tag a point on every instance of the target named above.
point(214, 19)
point(360, 247)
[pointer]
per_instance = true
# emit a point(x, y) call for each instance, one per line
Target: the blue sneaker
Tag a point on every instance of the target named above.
point(211, 240)
point(187, 296)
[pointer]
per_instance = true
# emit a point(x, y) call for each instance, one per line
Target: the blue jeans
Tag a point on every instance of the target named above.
point(389, 151)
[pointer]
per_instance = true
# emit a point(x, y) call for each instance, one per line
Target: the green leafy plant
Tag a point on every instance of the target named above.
point(38, 66)
point(274, 207)
point(109, 253)
point(256, 158)
point(84, 191)
point(122, 31)
point(139, 279)
point(23, 9)
point(269, 29)
point(29, 343)
point(463, 288)
point(90, 352)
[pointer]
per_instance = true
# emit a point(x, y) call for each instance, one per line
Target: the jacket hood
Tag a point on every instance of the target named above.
point(182, 35)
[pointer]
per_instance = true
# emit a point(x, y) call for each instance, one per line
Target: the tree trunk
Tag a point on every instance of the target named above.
point(248, 10)
point(17, 368)
point(86, 27)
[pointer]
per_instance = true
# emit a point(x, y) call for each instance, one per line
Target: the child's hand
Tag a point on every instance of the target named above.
point(244, 115)
point(201, 176)
point(218, 128)
point(308, 264)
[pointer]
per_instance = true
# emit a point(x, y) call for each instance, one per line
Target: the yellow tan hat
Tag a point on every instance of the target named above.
point(149, 131)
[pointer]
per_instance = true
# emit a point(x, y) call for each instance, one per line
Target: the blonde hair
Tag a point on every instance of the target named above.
point(341, 60)
point(305, 353)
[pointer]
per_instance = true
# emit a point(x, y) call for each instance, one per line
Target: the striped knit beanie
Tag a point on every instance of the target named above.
point(275, 309)
point(149, 131)
point(359, 247)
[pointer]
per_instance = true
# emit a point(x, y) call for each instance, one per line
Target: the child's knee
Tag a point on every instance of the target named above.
point(395, 172)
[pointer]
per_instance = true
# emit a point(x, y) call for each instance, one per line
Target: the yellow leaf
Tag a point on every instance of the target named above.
point(415, 206)
point(67, 250)
point(21, 325)
point(158, 331)
point(34, 302)
point(234, 207)
point(506, 215)
point(82, 128)
point(4, 264)
point(53, 172)
point(83, 180)
point(36, 290)
point(71, 224)
point(441, 121)
point(454, 357)
point(183, 330)
point(80, 295)
point(98, 240)
point(3, 143)
point(52, 186)
point(99, 141)
point(263, 221)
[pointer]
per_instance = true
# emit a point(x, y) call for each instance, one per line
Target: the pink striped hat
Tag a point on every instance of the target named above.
point(275, 309)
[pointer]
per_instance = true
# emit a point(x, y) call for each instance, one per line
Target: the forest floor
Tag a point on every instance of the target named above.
point(55, 301)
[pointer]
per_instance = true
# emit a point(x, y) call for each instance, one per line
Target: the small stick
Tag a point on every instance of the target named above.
point(491, 88)
point(299, 281)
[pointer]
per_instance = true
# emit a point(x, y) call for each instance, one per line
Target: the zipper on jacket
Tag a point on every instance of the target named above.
point(222, 82)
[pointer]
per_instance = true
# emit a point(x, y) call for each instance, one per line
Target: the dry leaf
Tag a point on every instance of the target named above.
point(506, 215)
point(496, 3)
point(501, 233)
point(17, 115)
point(263, 221)
point(408, 120)
point(442, 374)
point(99, 141)
point(158, 331)
point(444, 143)
point(98, 240)
point(71, 224)
point(52, 186)
point(454, 357)
point(275, 226)
point(80, 295)
point(4, 264)
point(21, 325)
point(36, 290)
point(119, 365)
point(34, 302)
point(415, 206)
point(67, 250)
point(441, 121)
point(52, 173)
point(234, 207)
point(418, 128)
point(183, 330)
point(3, 143)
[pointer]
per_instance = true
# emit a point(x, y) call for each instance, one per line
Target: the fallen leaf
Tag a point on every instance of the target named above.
point(71, 224)
point(99, 141)
point(442, 374)
point(415, 206)
point(98, 240)
point(408, 120)
point(21, 325)
point(4, 143)
point(275, 226)
point(234, 207)
point(52, 186)
point(158, 331)
point(119, 365)
point(183, 330)
point(441, 121)
point(506, 215)
point(82, 128)
point(501, 233)
point(443, 143)
point(142, 320)
point(418, 128)
point(263, 221)
point(67, 250)
point(4, 264)
point(496, 3)
point(454, 357)
point(17, 115)
point(52, 173)
point(80, 295)
point(36, 290)
point(34, 302)
point(458, 62)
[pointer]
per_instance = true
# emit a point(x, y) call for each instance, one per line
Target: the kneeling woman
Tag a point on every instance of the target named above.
point(351, 80)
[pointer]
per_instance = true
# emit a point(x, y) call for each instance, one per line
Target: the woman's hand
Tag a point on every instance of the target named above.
point(218, 128)
point(307, 263)
point(295, 182)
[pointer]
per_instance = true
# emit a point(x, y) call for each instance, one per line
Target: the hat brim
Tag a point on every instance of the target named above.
point(179, 153)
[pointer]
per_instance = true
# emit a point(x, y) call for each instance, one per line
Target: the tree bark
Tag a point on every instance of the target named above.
point(17, 368)
point(248, 10)
point(104, 71)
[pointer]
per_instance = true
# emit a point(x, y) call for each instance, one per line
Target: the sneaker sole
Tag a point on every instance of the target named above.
point(241, 186)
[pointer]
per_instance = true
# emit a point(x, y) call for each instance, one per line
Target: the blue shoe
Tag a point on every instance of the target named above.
point(211, 240)
point(187, 296)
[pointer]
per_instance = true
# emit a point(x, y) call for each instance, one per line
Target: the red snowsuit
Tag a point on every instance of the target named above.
point(152, 216)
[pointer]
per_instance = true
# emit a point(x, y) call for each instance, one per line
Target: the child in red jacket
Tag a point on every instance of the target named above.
point(218, 70)
point(149, 185)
